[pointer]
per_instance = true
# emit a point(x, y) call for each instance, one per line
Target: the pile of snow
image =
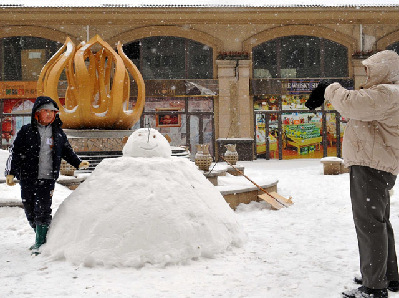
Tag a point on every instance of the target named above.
point(331, 158)
point(3, 158)
point(307, 250)
point(135, 210)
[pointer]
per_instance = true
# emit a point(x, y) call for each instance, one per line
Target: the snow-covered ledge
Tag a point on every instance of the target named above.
point(244, 195)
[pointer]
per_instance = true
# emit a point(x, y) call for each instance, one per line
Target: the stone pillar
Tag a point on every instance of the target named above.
point(235, 109)
point(245, 104)
point(359, 74)
point(227, 70)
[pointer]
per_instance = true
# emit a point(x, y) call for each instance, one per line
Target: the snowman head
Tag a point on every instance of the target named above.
point(147, 142)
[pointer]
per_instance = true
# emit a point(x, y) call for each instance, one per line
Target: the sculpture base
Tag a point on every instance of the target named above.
point(94, 145)
point(97, 140)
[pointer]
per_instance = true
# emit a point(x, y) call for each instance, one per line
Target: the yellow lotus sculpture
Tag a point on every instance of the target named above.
point(98, 89)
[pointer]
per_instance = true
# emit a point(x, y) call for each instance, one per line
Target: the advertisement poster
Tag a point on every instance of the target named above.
point(261, 147)
point(164, 118)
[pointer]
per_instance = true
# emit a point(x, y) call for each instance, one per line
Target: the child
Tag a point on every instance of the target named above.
point(35, 159)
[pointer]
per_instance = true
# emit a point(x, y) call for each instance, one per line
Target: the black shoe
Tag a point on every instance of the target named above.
point(364, 292)
point(393, 285)
point(358, 280)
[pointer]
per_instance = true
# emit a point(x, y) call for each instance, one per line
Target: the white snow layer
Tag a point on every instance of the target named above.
point(133, 211)
point(308, 250)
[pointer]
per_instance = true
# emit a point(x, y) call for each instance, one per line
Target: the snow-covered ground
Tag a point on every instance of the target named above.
point(307, 250)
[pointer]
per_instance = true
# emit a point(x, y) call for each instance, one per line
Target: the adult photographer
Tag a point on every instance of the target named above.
point(371, 150)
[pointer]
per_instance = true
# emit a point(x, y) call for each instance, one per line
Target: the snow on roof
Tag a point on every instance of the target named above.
point(199, 3)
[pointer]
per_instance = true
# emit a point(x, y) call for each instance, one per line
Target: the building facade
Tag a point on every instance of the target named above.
point(213, 74)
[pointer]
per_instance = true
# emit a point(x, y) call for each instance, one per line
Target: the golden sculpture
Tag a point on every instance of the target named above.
point(98, 89)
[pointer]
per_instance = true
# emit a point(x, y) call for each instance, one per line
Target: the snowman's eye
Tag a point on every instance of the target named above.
point(140, 135)
point(154, 136)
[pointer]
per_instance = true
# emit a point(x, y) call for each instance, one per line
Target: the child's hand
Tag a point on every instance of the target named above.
point(10, 180)
point(84, 165)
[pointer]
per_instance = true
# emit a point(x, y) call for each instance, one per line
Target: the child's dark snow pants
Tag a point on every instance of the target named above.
point(369, 190)
point(37, 198)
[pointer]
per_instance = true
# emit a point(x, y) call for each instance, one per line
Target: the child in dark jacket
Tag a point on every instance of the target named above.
point(35, 159)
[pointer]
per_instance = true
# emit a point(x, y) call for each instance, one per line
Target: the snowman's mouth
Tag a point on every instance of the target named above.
point(149, 148)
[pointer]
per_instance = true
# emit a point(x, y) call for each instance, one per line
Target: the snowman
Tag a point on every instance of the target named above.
point(147, 142)
point(145, 207)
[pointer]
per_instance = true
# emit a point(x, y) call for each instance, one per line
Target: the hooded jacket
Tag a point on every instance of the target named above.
point(23, 162)
point(371, 136)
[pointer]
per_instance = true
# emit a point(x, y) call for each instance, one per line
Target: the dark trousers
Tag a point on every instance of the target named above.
point(37, 198)
point(369, 190)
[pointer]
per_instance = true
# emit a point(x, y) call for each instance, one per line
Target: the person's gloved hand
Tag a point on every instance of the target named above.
point(84, 165)
point(10, 180)
point(316, 98)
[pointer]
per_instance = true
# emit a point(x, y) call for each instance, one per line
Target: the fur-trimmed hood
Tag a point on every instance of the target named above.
point(382, 68)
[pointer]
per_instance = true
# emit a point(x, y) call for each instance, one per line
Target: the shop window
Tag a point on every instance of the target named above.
point(335, 60)
point(200, 105)
point(23, 57)
point(200, 61)
point(286, 129)
point(265, 60)
point(167, 58)
point(300, 57)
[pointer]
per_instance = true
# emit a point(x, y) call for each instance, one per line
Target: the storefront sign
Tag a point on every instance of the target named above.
point(307, 85)
point(18, 90)
point(291, 86)
point(299, 86)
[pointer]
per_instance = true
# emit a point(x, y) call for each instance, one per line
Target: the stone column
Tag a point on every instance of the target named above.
point(245, 104)
point(227, 70)
point(235, 109)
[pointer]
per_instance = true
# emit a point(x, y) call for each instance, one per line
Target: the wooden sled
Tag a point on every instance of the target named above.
point(275, 200)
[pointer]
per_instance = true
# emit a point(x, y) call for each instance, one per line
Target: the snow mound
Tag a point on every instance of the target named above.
point(137, 211)
point(3, 157)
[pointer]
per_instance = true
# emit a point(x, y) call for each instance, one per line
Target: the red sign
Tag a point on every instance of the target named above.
point(18, 89)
